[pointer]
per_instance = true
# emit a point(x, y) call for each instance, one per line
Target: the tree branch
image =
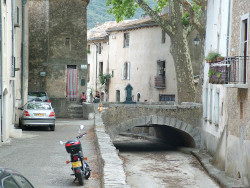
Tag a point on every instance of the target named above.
point(157, 18)
point(196, 22)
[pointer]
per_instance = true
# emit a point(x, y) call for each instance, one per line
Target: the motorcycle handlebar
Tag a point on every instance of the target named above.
point(81, 135)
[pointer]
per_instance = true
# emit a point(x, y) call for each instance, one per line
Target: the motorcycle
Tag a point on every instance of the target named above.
point(80, 167)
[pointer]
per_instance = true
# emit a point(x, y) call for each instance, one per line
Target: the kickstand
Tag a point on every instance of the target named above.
point(74, 180)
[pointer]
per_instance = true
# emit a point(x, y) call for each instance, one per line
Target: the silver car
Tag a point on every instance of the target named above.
point(37, 114)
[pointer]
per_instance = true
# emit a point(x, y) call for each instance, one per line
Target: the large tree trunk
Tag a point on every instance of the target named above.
point(179, 48)
point(181, 55)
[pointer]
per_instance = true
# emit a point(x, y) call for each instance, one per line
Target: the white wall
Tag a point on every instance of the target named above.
point(216, 40)
point(145, 49)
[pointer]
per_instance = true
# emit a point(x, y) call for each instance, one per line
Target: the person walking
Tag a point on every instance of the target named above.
point(83, 97)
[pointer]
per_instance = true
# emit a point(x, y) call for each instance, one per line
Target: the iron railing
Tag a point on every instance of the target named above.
point(232, 70)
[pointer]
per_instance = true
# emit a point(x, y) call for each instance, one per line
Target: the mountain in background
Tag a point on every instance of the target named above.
point(97, 13)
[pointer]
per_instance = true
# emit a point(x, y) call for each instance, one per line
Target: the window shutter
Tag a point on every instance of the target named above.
point(128, 71)
point(122, 71)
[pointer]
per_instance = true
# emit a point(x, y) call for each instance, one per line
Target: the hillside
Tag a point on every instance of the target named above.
point(97, 13)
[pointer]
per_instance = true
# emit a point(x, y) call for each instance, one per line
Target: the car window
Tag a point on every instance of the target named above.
point(37, 94)
point(9, 183)
point(22, 182)
point(39, 106)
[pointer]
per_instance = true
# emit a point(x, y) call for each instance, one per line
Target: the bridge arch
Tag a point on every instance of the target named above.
point(148, 121)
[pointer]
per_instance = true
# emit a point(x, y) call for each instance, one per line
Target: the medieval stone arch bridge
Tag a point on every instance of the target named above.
point(176, 124)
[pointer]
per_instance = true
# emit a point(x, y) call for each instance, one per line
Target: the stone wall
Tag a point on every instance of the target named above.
point(121, 117)
point(238, 107)
point(58, 38)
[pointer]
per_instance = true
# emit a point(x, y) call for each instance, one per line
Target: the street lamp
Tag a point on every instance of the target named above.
point(96, 66)
point(196, 40)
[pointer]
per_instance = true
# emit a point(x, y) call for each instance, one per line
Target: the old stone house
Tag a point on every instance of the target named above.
point(13, 65)
point(58, 54)
point(226, 113)
point(135, 52)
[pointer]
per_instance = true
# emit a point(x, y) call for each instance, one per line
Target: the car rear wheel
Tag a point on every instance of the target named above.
point(52, 127)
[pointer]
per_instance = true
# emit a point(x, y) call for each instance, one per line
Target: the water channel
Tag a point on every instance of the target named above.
point(151, 164)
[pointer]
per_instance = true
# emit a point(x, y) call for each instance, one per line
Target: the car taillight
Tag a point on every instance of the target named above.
point(75, 158)
point(26, 113)
point(48, 100)
point(52, 114)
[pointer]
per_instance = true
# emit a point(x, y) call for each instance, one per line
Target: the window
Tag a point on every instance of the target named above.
point(211, 105)
point(100, 48)
point(118, 96)
point(100, 67)
point(88, 72)
point(88, 48)
point(138, 97)
point(22, 181)
point(216, 108)
point(243, 50)
point(67, 42)
point(167, 97)
point(206, 102)
point(4, 1)
point(126, 71)
point(126, 40)
point(17, 17)
point(113, 73)
point(163, 36)
point(161, 68)
point(9, 183)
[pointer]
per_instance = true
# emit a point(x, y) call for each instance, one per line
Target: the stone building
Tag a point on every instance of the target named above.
point(135, 52)
point(13, 65)
point(58, 55)
point(226, 97)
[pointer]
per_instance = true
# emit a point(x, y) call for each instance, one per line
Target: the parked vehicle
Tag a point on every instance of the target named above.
point(80, 167)
point(37, 114)
point(38, 96)
point(10, 178)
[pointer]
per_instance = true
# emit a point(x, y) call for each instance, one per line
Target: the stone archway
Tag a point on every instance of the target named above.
point(191, 130)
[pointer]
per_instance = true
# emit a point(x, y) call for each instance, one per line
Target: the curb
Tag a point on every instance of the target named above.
point(113, 174)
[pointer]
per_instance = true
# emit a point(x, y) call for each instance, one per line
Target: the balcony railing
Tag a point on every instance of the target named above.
point(160, 82)
point(232, 70)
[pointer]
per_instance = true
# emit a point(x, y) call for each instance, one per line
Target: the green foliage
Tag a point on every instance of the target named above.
point(185, 19)
point(218, 74)
point(126, 8)
point(211, 72)
point(104, 78)
point(97, 12)
point(212, 56)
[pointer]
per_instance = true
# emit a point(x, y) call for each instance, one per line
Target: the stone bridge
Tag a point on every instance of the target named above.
point(178, 124)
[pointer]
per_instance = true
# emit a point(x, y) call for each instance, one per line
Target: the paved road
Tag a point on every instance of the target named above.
point(39, 156)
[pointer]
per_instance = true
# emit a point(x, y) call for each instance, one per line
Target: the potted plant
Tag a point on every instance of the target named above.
point(214, 57)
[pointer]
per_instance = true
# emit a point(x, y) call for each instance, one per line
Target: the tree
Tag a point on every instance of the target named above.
point(183, 17)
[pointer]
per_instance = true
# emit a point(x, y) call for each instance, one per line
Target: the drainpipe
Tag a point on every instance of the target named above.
point(1, 75)
point(13, 58)
point(23, 50)
point(228, 26)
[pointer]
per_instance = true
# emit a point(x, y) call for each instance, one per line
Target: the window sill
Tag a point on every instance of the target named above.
point(242, 86)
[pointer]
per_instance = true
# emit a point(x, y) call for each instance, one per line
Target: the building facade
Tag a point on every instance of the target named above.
point(226, 109)
point(14, 64)
point(135, 52)
point(58, 54)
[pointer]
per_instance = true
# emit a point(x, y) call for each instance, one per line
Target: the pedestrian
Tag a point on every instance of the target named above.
point(83, 97)
point(97, 97)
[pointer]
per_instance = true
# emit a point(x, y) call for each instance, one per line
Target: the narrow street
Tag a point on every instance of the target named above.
point(152, 165)
point(40, 157)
